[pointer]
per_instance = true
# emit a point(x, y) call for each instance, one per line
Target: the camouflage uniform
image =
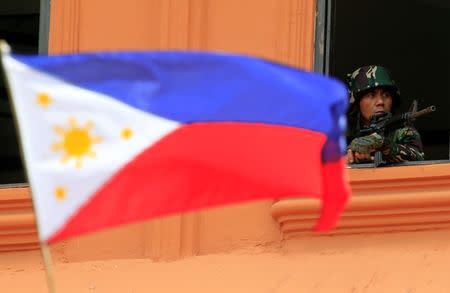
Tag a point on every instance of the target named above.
point(399, 145)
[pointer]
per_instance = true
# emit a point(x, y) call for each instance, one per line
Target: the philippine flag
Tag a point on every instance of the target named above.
point(110, 138)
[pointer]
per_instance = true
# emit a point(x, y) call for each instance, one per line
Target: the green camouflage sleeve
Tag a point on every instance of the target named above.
point(404, 144)
point(366, 144)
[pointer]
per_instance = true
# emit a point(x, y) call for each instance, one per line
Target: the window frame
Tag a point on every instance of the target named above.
point(44, 26)
point(322, 36)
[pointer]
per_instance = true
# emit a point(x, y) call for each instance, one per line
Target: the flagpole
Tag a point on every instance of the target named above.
point(5, 49)
point(48, 267)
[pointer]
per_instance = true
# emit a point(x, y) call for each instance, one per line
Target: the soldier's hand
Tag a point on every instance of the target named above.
point(350, 157)
point(355, 157)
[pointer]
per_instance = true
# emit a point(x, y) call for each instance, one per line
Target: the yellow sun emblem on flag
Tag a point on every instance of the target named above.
point(76, 142)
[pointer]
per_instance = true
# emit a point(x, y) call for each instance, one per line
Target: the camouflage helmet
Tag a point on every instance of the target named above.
point(368, 77)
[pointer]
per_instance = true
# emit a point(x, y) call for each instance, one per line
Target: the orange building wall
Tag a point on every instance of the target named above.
point(281, 30)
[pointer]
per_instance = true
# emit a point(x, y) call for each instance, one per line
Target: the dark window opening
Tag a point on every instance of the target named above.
point(410, 38)
point(19, 26)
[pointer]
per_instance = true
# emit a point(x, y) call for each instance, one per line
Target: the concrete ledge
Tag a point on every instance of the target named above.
point(17, 221)
point(406, 198)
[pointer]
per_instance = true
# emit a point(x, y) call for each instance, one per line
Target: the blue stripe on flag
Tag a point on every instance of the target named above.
point(199, 87)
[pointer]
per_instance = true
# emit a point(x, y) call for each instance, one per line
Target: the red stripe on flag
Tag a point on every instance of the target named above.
point(335, 194)
point(207, 164)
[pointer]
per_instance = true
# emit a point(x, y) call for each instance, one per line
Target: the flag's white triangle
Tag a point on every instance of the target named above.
point(47, 109)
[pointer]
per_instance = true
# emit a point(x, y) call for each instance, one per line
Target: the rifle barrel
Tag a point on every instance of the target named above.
point(425, 111)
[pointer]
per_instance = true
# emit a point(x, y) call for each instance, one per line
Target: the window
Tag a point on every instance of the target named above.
point(20, 22)
point(410, 38)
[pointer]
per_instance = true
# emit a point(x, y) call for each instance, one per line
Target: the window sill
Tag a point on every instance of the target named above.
point(390, 199)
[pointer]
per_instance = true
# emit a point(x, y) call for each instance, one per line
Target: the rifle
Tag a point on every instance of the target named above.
point(380, 123)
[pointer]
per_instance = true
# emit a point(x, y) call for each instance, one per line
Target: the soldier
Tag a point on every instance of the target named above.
point(373, 91)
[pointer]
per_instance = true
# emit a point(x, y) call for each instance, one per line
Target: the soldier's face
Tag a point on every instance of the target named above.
point(377, 100)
